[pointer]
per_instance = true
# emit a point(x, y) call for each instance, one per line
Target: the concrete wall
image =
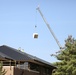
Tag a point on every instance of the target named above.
point(9, 70)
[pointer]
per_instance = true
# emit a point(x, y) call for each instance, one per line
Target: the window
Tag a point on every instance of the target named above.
point(46, 70)
point(34, 67)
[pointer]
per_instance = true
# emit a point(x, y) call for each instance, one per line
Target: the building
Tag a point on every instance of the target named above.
point(16, 62)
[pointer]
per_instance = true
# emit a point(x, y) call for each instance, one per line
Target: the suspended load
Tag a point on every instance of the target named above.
point(35, 35)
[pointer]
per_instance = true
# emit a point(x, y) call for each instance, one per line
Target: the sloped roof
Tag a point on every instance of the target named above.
point(14, 54)
point(3, 56)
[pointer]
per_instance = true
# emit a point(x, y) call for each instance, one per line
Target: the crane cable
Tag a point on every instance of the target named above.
point(36, 20)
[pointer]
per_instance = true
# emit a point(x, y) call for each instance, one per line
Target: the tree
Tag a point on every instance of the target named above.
point(2, 71)
point(67, 58)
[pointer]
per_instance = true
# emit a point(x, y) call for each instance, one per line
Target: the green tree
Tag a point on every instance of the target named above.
point(2, 71)
point(67, 58)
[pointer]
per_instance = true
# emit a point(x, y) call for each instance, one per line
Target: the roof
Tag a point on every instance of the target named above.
point(3, 56)
point(14, 54)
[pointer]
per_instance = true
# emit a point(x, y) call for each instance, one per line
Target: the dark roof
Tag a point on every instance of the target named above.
point(14, 54)
point(2, 55)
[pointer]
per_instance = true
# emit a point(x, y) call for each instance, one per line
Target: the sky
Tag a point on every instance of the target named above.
point(19, 17)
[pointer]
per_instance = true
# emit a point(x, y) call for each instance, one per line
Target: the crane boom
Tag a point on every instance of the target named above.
point(49, 28)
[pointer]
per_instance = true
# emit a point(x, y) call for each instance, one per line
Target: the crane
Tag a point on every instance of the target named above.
point(51, 31)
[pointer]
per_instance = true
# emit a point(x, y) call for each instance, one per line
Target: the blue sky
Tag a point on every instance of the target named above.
point(19, 17)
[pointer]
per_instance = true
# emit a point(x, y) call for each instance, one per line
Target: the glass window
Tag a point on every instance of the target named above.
point(34, 67)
